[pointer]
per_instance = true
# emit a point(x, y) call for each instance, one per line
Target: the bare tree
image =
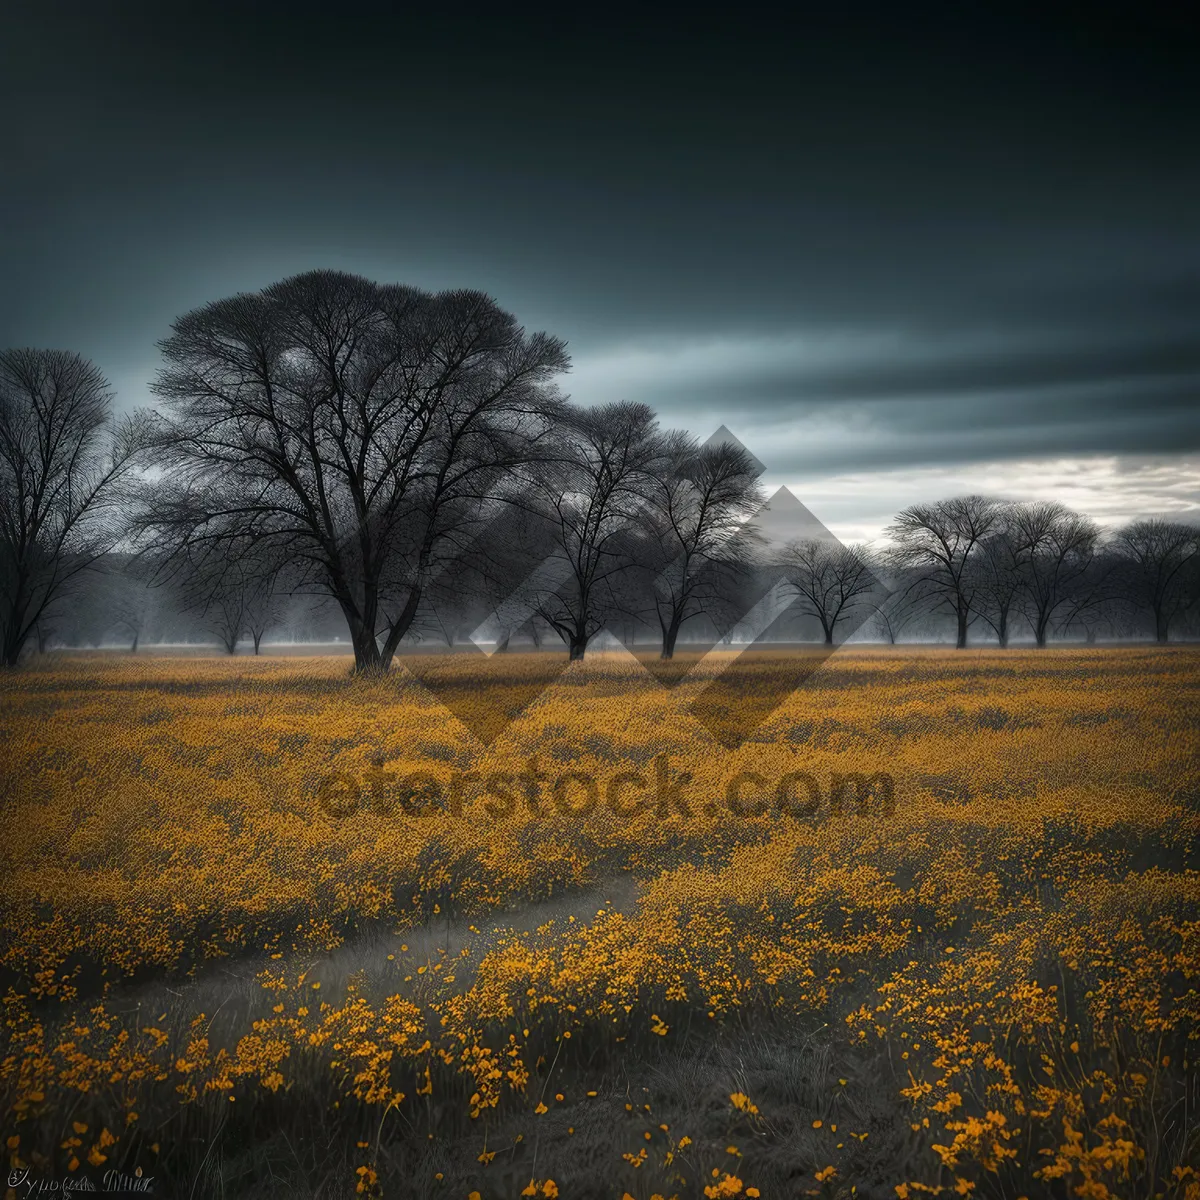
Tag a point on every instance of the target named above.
point(701, 500)
point(264, 608)
point(225, 615)
point(130, 596)
point(1094, 598)
point(894, 611)
point(236, 593)
point(1055, 549)
point(1158, 569)
point(359, 429)
point(829, 580)
point(447, 620)
point(997, 573)
point(476, 581)
point(63, 460)
point(594, 498)
point(937, 544)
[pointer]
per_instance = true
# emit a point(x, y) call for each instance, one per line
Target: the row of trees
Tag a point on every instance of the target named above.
point(122, 601)
point(1040, 565)
point(1040, 571)
point(407, 457)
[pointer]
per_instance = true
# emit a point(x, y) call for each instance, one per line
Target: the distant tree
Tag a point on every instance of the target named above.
point(264, 609)
point(893, 610)
point(1157, 569)
point(447, 619)
point(937, 545)
point(830, 581)
point(1187, 624)
point(481, 585)
point(997, 573)
point(225, 616)
point(701, 499)
point(303, 617)
point(63, 461)
point(593, 497)
point(360, 430)
point(236, 594)
point(130, 596)
point(1055, 549)
point(1095, 601)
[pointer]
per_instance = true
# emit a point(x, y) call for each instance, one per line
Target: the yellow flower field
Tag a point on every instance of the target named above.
point(270, 930)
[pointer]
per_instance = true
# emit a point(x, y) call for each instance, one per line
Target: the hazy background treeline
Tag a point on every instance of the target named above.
point(335, 459)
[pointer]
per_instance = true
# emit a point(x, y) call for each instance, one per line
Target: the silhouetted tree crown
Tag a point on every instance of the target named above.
point(357, 427)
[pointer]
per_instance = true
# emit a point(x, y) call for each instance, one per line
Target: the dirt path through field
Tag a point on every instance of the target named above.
point(419, 963)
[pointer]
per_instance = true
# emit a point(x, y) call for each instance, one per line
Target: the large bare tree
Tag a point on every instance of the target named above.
point(363, 430)
point(64, 459)
point(937, 544)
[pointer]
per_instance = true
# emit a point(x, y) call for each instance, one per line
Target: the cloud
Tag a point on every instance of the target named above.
point(857, 506)
point(895, 397)
point(860, 423)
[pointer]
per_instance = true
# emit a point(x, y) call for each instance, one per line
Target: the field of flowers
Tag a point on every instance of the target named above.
point(267, 930)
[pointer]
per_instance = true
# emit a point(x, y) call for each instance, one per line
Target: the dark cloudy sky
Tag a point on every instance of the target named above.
point(900, 253)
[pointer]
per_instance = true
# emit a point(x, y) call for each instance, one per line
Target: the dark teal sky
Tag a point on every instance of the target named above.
point(898, 244)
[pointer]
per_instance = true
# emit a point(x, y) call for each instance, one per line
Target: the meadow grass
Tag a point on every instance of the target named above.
point(987, 987)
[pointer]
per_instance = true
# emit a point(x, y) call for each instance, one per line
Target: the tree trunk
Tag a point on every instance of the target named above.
point(136, 638)
point(578, 646)
point(670, 637)
point(399, 629)
point(1162, 627)
point(502, 645)
point(1002, 632)
point(1039, 634)
point(961, 640)
point(12, 648)
point(41, 640)
point(257, 640)
point(14, 618)
point(367, 660)
point(1091, 637)
point(362, 641)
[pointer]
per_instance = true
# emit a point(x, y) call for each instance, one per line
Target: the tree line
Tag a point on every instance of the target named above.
point(406, 460)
